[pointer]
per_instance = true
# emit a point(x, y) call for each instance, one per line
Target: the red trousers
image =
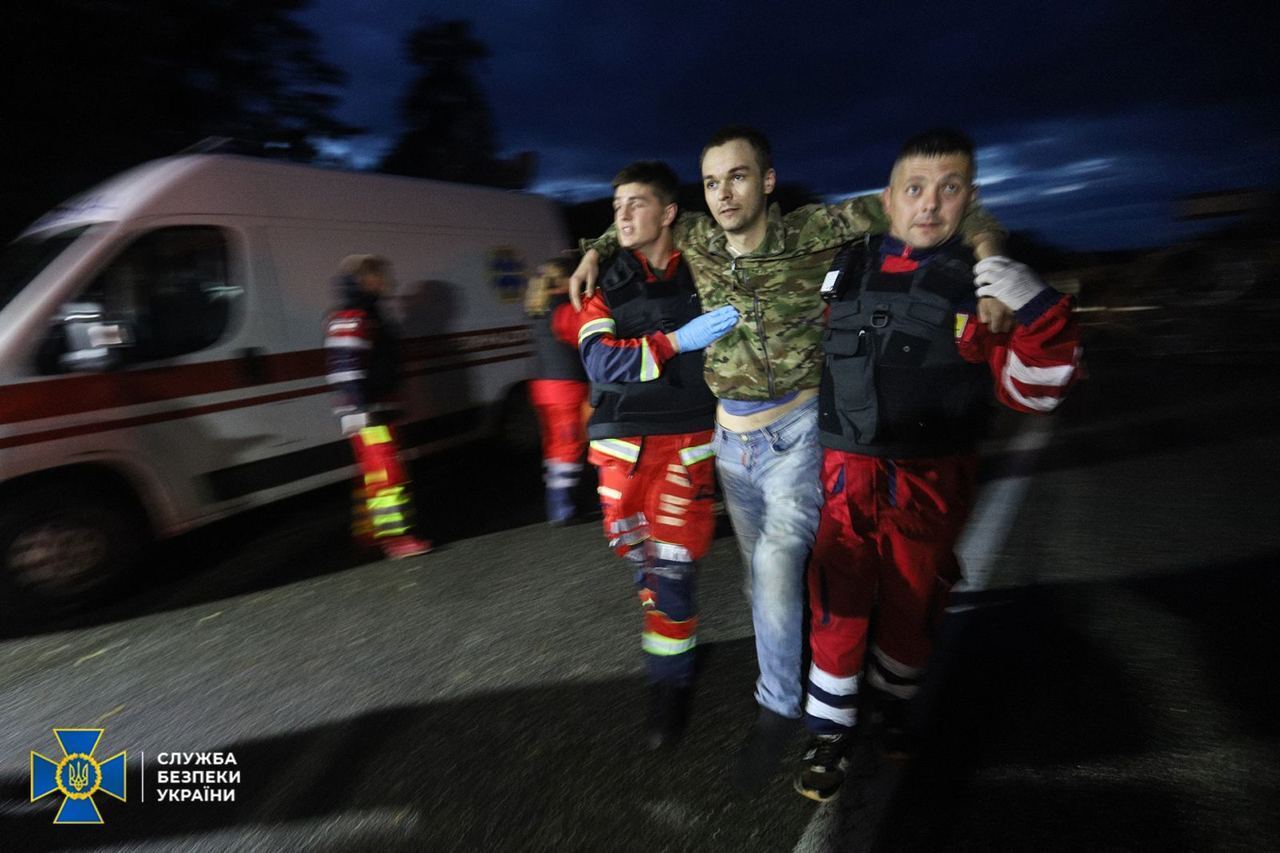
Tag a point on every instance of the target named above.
point(562, 410)
point(887, 536)
point(657, 492)
point(657, 489)
point(382, 506)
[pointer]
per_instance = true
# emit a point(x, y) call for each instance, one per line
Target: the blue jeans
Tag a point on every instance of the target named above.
point(771, 485)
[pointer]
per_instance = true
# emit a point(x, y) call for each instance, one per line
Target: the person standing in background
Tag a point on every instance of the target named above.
point(361, 348)
point(558, 391)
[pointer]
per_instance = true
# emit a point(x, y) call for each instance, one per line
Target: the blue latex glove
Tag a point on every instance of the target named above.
point(705, 328)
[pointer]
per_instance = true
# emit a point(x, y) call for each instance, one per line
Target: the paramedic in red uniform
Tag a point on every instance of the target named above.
point(558, 391)
point(361, 355)
point(641, 337)
point(907, 383)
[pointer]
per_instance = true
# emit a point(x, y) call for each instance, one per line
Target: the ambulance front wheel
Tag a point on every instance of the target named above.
point(63, 544)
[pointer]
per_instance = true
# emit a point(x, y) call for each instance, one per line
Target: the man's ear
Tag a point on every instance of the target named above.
point(770, 181)
point(669, 214)
point(885, 196)
point(973, 195)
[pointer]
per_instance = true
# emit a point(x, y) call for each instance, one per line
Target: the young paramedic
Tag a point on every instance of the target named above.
point(641, 336)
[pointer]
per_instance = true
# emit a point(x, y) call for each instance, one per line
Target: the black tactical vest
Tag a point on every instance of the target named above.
point(893, 382)
point(552, 357)
point(382, 368)
point(678, 400)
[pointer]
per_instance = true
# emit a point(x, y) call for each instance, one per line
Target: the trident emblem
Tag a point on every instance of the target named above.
point(77, 776)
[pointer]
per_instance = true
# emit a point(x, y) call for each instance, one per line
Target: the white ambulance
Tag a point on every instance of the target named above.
point(160, 346)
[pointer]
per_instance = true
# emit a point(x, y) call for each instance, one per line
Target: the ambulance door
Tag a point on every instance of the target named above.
point(193, 381)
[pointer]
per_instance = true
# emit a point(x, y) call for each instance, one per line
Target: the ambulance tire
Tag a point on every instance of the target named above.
point(518, 424)
point(63, 546)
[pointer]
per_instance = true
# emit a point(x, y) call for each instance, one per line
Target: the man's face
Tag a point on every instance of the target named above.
point(927, 197)
point(734, 186)
point(640, 216)
point(377, 282)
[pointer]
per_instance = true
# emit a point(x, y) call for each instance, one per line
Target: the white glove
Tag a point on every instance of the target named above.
point(352, 424)
point(1005, 279)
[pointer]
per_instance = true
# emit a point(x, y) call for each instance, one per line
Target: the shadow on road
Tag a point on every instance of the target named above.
point(1141, 715)
point(553, 768)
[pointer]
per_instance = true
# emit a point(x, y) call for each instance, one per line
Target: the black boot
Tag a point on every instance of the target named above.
point(668, 714)
point(758, 760)
point(892, 723)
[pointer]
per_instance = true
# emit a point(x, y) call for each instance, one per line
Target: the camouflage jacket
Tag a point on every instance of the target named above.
point(776, 348)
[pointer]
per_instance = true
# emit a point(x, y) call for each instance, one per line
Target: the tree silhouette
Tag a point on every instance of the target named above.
point(450, 133)
point(96, 86)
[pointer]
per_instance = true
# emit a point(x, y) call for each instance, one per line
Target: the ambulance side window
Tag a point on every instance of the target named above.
point(172, 287)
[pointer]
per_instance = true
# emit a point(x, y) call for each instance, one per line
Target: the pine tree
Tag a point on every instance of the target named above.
point(450, 132)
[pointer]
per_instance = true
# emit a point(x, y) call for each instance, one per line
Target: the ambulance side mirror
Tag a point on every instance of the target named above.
point(93, 342)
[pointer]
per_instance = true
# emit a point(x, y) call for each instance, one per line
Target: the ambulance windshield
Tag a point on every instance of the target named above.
point(24, 259)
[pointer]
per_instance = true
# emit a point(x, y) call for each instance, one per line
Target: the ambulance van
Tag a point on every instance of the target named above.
point(160, 347)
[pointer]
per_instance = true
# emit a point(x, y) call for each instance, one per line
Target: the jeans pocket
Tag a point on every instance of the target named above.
point(797, 428)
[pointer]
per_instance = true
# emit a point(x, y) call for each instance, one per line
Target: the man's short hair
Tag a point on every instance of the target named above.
point(938, 142)
point(654, 174)
point(562, 265)
point(357, 265)
point(758, 141)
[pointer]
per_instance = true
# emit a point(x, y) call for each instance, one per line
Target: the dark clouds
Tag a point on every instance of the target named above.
point(1161, 104)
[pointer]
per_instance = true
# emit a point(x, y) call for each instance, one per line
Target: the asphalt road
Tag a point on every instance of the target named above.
point(486, 696)
point(1106, 682)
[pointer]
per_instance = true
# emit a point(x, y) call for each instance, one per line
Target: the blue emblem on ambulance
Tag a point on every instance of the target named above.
point(508, 274)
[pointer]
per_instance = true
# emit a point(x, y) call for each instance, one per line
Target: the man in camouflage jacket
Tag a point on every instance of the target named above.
point(766, 374)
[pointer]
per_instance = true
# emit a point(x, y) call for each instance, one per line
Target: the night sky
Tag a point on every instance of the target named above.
point(1091, 119)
